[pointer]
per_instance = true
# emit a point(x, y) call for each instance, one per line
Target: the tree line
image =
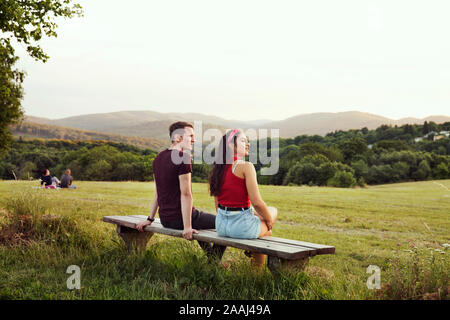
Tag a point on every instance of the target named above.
point(30, 130)
point(358, 157)
point(88, 160)
point(341, 158)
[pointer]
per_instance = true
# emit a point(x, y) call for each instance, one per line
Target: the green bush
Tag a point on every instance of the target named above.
point(423, 171)
point(342, 179)
point(36, 217)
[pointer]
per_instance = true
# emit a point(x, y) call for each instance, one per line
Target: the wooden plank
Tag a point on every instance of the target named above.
point(287, 247)
point(282, 248)
point(274, 249)
point(321, 249)
point(213, 233)
point(121, 220)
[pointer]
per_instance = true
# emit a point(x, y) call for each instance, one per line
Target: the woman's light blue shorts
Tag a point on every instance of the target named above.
point(238, 224)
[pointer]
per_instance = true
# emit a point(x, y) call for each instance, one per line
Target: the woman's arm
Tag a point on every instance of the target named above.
point(253, 192)
point(216, 202)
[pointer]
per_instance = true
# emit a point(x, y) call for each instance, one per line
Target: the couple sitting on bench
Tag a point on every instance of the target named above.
point(232, 182)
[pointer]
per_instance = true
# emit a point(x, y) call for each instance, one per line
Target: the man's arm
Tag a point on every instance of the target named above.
point(154, 206)
point(186, 205)
point(153, 210)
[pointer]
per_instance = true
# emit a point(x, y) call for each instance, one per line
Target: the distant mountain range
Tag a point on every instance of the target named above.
point(151, 124)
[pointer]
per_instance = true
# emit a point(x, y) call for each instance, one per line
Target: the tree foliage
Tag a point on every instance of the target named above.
point(24, 22)
point(11, 94)
point(27, 21)
point(345, 158)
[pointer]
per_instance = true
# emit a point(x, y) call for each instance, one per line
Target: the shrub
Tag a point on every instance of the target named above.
point(423, 274)
point(36, 217)
point(442, 171)
point(342, 179)
point(361, 182)
point(423, 171)
point(361, 168)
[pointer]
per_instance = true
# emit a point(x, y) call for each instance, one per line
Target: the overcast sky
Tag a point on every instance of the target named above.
point(246, 59)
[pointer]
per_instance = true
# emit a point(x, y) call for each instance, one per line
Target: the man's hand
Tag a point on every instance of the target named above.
point(142, 224)
point(187, 233)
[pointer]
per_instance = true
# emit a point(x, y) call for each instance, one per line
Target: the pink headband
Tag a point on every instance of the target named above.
point(232, 135)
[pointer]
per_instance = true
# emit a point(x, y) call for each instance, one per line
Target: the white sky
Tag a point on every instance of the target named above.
point(246, 59)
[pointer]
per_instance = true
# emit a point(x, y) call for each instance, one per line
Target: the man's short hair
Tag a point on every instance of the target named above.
point(177, 126)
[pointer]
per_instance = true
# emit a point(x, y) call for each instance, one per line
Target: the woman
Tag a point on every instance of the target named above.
point(49, 181)
point(46, 178)
point(233, 184)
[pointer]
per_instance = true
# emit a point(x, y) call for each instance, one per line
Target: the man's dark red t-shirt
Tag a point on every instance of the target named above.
point(167, 167)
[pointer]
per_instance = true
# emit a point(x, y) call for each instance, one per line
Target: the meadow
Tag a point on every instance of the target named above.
point(402, 228)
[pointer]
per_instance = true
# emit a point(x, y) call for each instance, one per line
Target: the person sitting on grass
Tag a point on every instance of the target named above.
point(172, 170)
point(66, 180)
point(47, 180)
point(233, 183)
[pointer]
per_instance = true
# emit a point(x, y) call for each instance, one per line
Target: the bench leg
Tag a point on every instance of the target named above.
point(134, 240)
point(276, 264)
point(214, 252)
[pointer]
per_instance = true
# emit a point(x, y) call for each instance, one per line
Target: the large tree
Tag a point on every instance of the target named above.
point(25, 22)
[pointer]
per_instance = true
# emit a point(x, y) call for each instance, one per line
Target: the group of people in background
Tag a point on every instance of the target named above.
point(51, 182)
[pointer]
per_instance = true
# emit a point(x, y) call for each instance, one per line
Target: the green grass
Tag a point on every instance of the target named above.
point(399, 227)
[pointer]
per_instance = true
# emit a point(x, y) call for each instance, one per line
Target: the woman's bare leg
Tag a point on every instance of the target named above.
point(258, 259)
point(264, 228)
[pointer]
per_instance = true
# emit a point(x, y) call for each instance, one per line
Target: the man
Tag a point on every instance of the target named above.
point(172, 170)
point(66, 180)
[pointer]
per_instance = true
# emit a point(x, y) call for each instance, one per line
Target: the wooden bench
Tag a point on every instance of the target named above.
point(281, 252)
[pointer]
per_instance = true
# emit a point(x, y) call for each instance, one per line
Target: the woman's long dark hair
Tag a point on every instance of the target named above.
point(224, 155)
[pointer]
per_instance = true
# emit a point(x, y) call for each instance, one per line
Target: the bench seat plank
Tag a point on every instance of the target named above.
point(273, 246)
point(275, 249)
point(321, 249)
point(258, 242)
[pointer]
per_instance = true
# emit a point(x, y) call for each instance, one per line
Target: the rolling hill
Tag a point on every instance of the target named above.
point(31, 130)
point(151, 124)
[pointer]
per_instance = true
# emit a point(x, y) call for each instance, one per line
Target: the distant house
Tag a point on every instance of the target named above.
point(435, 135)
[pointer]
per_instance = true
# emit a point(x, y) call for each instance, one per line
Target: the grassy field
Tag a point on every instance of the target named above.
point(402, 228)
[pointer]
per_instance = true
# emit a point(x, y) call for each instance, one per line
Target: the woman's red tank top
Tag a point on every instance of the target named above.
point(234, 191)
